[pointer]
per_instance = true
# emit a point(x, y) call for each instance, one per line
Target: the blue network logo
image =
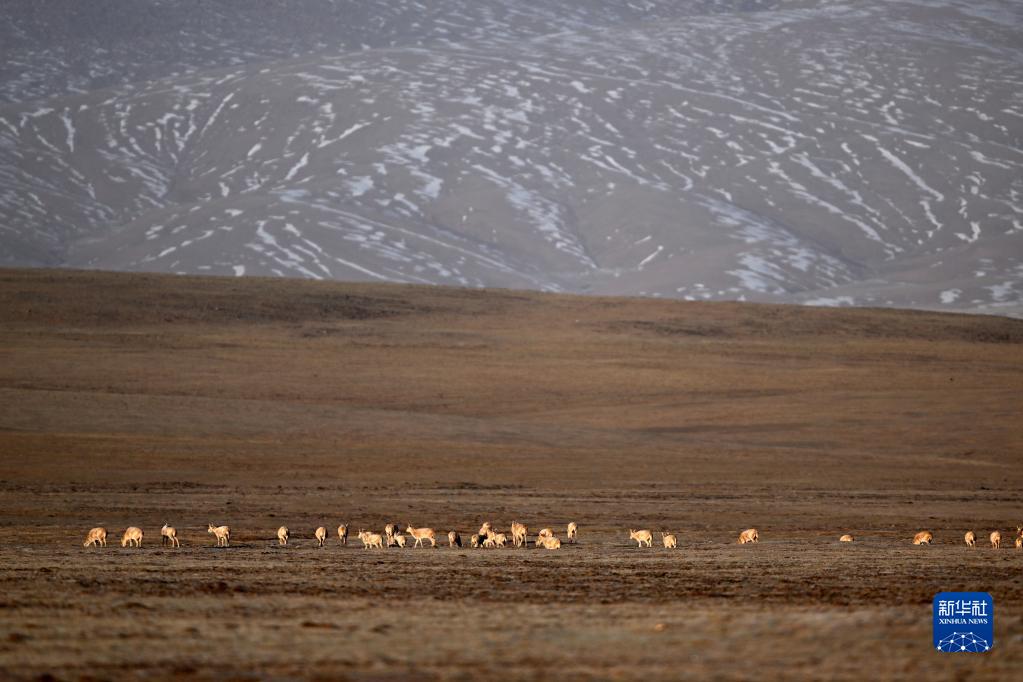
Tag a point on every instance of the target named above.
point(964, 622)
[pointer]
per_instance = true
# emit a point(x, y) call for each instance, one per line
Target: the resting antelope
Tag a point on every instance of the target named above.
point(321, 535)
point(846, 538)
point(371, 540)
point(399, 540)
point(97, 536)
point(518, 533)
point(550, 543)
point(970, 538)
point(454, 539)
point(573, 532)
point(996, 540)
point(168, 534)
point(543, 534)
point(420, 534)
point(223, 534)
point(282, 535)
point(132, 537)
point(749, 535)
point(669, 540)
point(641, 536)
point(924, 537)
point(342, 534)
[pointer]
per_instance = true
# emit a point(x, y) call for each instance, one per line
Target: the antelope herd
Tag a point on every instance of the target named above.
point(486, 537)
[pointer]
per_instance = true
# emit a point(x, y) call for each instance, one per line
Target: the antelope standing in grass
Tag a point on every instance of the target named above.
point(222, 533)
point(474, 541)
point(550, 543)
point(454, 539)
point(996, 540)
point(924, 537)
point(371, 540)
point(641, 536)
point(399, 540)
point(518, 533)
point(282, 535)
point(420, 534)
point(846, 538)
point(96, 536)
point(573, 532)
point(321, 535)
point(970, 538)
point(132, 537)
point(169, 535)
point(669, 540)
point(749, 535)
point(342, 534)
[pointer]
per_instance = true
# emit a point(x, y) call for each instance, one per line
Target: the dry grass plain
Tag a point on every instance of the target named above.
point(138, 399)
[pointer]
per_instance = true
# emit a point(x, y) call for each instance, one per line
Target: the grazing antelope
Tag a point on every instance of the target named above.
point(223, 534)
point(573, 532)
point(321, 535)
point(846, 538)
point(97, 536)
point(996, 540)
point(500, 539)
point(641, 536)
point(669, 540)
point(518, 533)
point(282, 535)
point(454, 539)
point(371, 540)
point(399, 540)
point(924, 537)
point(474, 541)
point(169, 535)
point(749, 535)
point(550, 543)
point(970, 538)
point(420, 534)
point(342, 534)
point(132, 537)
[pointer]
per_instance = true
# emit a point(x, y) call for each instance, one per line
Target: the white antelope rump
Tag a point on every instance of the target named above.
point(169, 535)
point(96, 536)
point(454, 539)
point(282, 535)
point(321, 535)
point(222, 533)
point(550, 543)
point(369, 540)
point(670, 540)
point(970, 538)
point(749, 535)
point(399, 540)
point(996, 540)
point(519, 533)
point(846, 538)
point(641, 537)
point(342, 534)
point(420, 534)
point(132, 537)
point(573, 532)
point(924, 537)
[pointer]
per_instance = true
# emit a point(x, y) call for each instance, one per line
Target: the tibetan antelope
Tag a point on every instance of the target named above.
point(474, 541)
point(924, 537)
point(371, 540)
point(97, 536)
point(669, 540)
point(399, 540)
point(223, 534)
point(749, 535)
point(573, 532)
point(389, 531)
point(518, 533)
point(641, 536)
point(1019, 537)
point(282, 535)
point(543, 535)
point(454, 539)
point(169, 535)
point(420, 534)
point(500, 539)
point(132, 537)
point(321, 535)
point(342, 534)
point(970, 538)
point(996, 540)
point(486, 530)
point(550, 543)
point(846, 538)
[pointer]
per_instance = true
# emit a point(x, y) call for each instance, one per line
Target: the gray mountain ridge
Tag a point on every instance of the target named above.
point(817, 152)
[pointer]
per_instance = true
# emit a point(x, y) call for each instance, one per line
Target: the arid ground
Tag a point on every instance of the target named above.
point(139, 399)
